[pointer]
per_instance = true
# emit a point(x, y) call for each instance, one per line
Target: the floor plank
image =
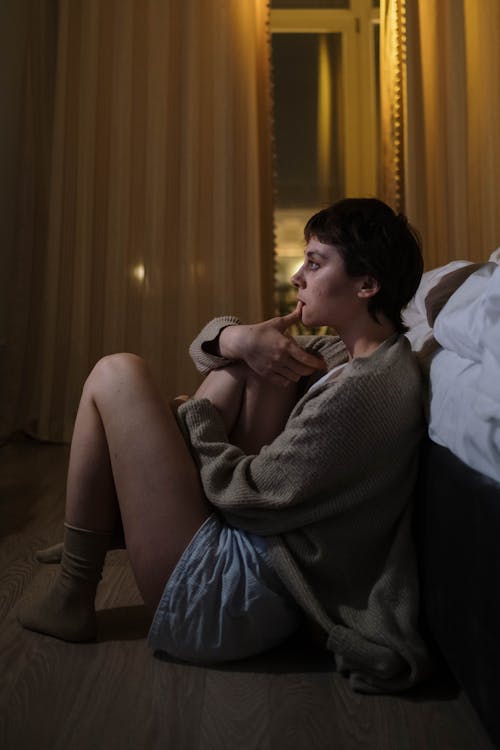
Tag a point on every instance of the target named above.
point(115, 694)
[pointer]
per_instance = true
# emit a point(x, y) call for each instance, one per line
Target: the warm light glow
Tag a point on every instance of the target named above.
point(139, 272)
point(286, 268)
point(324, 117)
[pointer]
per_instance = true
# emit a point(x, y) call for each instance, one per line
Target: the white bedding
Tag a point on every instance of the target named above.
point(464, 407)
point(414, 315)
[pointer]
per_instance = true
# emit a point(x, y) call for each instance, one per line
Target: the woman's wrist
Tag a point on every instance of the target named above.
point(228, 342)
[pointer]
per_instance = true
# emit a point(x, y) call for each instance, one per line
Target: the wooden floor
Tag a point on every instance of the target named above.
point(114, 694)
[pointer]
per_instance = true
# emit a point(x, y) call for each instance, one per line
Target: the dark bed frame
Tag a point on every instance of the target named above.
point(458, 542)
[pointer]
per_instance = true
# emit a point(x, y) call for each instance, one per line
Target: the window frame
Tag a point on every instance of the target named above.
point(356, 26)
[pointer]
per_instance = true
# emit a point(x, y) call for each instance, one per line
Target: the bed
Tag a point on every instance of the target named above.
point(454, 327)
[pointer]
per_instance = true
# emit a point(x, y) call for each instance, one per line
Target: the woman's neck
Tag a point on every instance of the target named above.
point(363, 340)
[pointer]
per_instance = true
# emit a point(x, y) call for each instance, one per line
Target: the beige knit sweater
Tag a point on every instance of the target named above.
point(333, 495)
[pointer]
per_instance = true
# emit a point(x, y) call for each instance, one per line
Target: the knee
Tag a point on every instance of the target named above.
point(115, 370)
point(241, 372)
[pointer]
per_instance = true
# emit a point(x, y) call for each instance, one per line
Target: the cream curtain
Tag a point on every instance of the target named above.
point(453, 126)
point(159, 208)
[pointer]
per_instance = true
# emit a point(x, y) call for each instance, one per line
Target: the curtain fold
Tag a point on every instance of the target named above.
point(159, 208)
point(33, 31)
point(453, 150)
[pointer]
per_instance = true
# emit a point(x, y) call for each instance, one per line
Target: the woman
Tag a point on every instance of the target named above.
point(280, 493)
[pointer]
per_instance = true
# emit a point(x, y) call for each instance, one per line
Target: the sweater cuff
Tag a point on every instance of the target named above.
point(203, 359)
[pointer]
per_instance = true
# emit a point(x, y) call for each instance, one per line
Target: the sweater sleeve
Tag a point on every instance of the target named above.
point(327, 447)
point(331, 348)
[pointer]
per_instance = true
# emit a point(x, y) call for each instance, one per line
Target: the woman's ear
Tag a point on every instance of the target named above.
point(369, 286)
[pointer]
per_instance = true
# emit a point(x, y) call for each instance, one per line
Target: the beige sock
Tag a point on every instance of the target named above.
point(67, 609)
point(53, 554)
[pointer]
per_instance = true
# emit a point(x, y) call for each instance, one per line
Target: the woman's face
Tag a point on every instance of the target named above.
point(328, 295)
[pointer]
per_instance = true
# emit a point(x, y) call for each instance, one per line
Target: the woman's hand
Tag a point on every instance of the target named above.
point(268, 350)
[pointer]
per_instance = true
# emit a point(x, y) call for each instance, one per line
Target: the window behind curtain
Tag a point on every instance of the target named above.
point(325, 90)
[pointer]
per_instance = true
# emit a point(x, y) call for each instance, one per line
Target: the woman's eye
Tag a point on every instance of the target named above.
point(312, 265)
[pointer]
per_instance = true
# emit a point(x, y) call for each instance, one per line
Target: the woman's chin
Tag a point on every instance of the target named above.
point(307, 320)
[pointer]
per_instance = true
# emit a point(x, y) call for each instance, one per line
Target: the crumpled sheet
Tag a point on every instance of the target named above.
point(464, 410)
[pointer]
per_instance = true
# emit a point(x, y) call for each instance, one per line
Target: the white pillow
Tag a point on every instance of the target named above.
point(470, 313)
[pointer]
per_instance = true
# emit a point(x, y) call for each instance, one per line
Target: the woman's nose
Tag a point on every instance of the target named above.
point(297, 278)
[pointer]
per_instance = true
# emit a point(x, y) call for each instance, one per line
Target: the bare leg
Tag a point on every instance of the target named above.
point(254, 410)
point(128, 457)
point(127, 447)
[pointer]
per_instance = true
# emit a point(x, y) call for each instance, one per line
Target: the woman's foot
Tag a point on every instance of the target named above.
point(67, 610)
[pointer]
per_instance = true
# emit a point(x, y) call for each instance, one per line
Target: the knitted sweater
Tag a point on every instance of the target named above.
point(333, 495)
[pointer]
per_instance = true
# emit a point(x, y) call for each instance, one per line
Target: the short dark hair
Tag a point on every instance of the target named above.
point(376, 241)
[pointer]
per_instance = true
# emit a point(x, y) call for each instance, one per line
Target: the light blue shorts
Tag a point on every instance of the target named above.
point(223, 600)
